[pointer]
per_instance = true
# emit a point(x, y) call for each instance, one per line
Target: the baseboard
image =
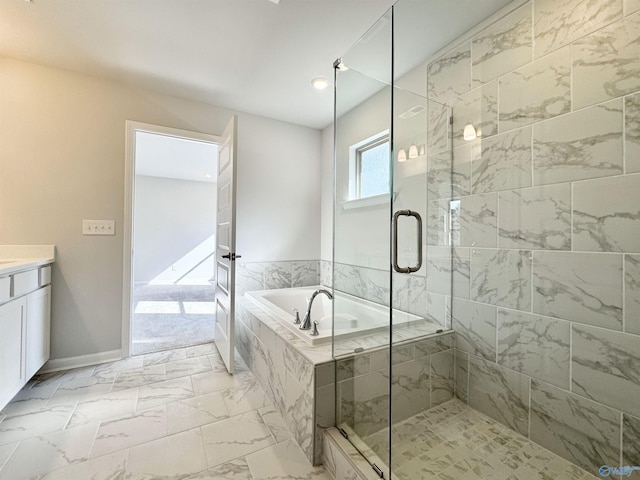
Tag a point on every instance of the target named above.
point(68, 363)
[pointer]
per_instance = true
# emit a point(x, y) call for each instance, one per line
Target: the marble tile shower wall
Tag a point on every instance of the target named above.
point(273, 275)
point(545, 211)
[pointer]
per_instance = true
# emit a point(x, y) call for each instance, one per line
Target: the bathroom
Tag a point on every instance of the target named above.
point(526, 261)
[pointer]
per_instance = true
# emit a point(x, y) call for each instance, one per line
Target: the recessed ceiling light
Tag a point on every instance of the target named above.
point(207, 175)
point(320, 83)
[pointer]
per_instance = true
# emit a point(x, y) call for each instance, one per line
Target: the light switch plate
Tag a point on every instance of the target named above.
point(98, 227)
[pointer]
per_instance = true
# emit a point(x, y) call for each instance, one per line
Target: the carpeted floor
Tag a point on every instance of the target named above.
point(172, 316)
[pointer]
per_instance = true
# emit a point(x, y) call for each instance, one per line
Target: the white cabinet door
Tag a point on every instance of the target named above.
point(38, 328)
point(12, 344)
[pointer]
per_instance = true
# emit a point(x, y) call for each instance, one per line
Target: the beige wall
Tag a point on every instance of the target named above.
point(62, 147)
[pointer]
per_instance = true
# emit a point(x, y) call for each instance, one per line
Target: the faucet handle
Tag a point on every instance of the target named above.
point(314, 332)
point(297, 314)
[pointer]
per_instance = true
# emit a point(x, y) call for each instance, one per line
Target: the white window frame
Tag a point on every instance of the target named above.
point(355, 153)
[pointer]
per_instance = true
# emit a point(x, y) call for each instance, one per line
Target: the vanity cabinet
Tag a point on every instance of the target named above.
point(25, 324)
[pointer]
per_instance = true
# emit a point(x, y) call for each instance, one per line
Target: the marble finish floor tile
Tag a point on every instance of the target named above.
point(454, 442)
point(180, 429)
point(284, 461)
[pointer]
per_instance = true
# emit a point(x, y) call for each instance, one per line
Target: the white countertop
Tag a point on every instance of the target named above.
point(17, 258)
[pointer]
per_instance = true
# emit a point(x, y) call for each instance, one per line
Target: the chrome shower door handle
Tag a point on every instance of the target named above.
point(396, 216)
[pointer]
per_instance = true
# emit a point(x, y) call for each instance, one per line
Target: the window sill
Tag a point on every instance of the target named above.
point(367, 201)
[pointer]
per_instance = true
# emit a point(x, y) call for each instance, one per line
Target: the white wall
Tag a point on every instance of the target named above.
point(172, 217)
point(326, 250)
point(62, 147)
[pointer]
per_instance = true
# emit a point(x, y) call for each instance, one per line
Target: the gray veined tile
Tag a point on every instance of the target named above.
point(500, 393)
point(443, 223)
point(479, 221)
point(478, 107)
point(631, 6)
point(174, 456)
point(249, 276)
point(631, 441)
point(536, 91)
point(164, 357)
point(502, 162)
point(447, 270)
point(450, 75)
point(195, 412)
point(410, 389)
point(560, 22)
point(606, 64)
point(501, 277)
point(235, 437)
point(189, 366)
point(580, 430)
point(534, 345)
point(503, 46)
point(108, 467)
point(632, 293)
point(23, 426)
point(536, 218)
point(245, 397)
point(580, 145)
point(164, 392)
point(283, 462)
point(277, 275)
point(105, 406)
point(462, 375)
point(233, 470)
point(201, 350)
point(606, 367)
point(276, 423)
point(632, 133)
point(409, 294)
point(37, 456)
point(304, 274)
point(138, 377)
point(606, 217)
point(581, 287)
point(448, 173)
point(475, 327)
point(438, 130)
point(442, 377)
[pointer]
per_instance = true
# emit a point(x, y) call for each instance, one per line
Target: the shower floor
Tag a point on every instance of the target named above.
point(455, 442)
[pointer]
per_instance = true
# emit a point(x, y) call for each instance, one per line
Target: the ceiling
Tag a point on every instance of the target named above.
point(249, 55)
point(174, 157)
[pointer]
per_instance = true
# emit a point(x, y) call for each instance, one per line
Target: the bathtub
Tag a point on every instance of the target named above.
point(354, 316)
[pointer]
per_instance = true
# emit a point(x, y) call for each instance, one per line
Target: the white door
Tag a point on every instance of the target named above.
point(226, 244)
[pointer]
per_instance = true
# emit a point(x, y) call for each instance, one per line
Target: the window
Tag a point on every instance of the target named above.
point(369, 167)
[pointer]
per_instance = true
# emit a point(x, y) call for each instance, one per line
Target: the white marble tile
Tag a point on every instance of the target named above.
point(201, 350)
point(233, 470)
point(299, 415)
point(479, 221)
point(438, 130)
point(437, 310)
point(631, 6)
point(500, 393)
point(462, 375)
point(277, 275)
point(123, 365)
point(449, 173)
point(442, 377)
point(502, 162)
point(105, 406)
point(580, 145)
point(39, 455)
point(581, 287)
point(582, 431)
point(164, 392)
point(138, 377)
point(503, 46)
point(501, 277)
point(450, 75)
point(5, 452)
point(284, 461)
point(606, 64)
point(631, 441)
point(184, 368)
point(195, 412)
point(440, 277)
point(632, 133)
point(249, 277)
point(83, 388)
point(478, 107)
point(536, 91)
point(56, 378)
point(536, 218)
point(475, 327)
point(560, 22)
point(30, 400)
point(173, 457)
point(21, 427)
point(164, 357)
point(129, 430)
point(606, 216)
point(409, 294)
point(215, 381)
point(534, 345)
point(235, 437)
point(632, 293)
point(109, 467)
point(304, 274)
point(606, 367)
point(276, 423)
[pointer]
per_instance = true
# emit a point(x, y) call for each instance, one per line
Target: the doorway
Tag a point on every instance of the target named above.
point(172, 206)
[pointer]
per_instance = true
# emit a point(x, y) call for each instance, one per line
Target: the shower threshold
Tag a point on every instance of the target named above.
point(455, 442)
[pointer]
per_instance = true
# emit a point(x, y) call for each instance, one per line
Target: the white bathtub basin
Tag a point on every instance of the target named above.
point(354, 316)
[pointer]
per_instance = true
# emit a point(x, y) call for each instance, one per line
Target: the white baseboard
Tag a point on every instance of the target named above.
point(68, 363)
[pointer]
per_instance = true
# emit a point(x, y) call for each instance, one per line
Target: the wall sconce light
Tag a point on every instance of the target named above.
point(402, 155)
point(469, 133)
point(413, 151)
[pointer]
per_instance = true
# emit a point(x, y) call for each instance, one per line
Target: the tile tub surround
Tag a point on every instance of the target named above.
point(272, 275)
point(545, 251)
